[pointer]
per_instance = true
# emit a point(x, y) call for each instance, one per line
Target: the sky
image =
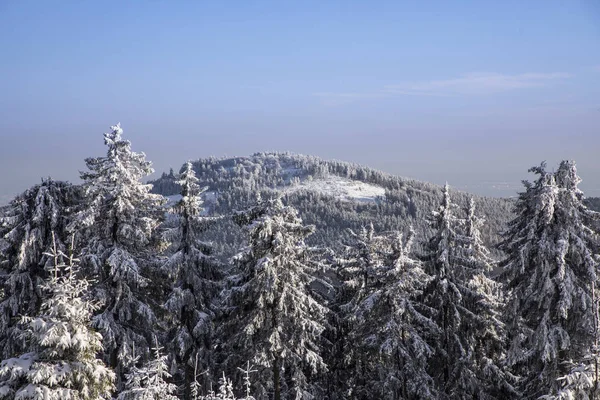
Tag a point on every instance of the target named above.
point(469, 92)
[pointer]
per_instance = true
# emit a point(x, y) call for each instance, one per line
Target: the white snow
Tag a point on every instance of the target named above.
point(342, 188)
point(172, 200)
point(207, 197)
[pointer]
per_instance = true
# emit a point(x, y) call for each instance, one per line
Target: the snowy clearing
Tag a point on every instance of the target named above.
point(207, 197)
point(342, 188)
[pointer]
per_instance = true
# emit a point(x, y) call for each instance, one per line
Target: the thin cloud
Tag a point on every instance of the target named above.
point(332, 99)
point(472, 84)
point(476, 84)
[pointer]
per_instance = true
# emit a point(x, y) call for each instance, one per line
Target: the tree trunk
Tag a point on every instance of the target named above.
point(188, 378)
point(115, 230)
point(276, 379)
point(113, 362)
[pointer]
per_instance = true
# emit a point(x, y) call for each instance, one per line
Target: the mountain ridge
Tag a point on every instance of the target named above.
point(327, 193)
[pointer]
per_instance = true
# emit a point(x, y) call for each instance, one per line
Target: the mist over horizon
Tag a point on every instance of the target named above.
point(471, 93)
point(498, 185)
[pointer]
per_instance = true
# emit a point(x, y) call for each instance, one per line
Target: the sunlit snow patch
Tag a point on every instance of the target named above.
point(173, 199)
point(207, 198)
point(342, 188)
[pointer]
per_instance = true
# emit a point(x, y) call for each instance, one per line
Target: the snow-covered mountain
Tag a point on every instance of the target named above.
point(333, 195)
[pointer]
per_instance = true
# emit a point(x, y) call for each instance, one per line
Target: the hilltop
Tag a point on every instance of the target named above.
point(332, 195)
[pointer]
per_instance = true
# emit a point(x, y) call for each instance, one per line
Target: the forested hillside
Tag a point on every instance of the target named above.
point(333, 195)
point(593, 203)
point(281, 276)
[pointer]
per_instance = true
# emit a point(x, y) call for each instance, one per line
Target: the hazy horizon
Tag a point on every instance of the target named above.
point(499, 188)
point(473, 93)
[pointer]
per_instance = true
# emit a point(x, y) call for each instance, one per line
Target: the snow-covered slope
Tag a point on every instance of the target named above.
point(332, 195)
point(341, 188)
point(208, 197)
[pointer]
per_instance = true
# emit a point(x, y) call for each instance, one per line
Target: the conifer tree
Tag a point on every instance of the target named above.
point(462, 308)
point(272, 319)
point(247, 382)
point(390, 329)
point(358, 268)
point(61, 361)
point(26, 228)
point(150, 381)
point(195, 277)
point(443, 295)
point(360, 265)
point(487, 333)
point(551, 271)
point(117, 222)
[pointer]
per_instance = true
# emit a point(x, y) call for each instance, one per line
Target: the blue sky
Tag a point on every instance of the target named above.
point(472, 92)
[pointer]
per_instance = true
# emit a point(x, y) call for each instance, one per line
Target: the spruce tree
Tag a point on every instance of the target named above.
point(150, 381)
point(26, 228)
point(195, 276)
point(487, 333)
point(357, 268)
point(271, 318)
point(463, 310)
point(117, 222)
point(443, 296)
point(551, 271)
point(390, 329)
point(61, 361)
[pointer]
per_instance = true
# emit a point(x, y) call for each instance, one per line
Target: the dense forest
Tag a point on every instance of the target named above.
point(334, 196)
point(280, 276)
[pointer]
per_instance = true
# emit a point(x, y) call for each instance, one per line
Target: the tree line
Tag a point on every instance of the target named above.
point(108, 292)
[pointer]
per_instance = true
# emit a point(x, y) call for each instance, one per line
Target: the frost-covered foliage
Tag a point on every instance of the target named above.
point(26, 229)
point(271, 317)
point(150, 381)
point(488, 334)
point(61, 361)
point(196, 281)
point(226, 389)
point(468, 348)
point(389, 330)
point(397, 327)
point(551, 270)
point(117, 223)
point(233, 183)
point(247, 382)
point(358, 268)
point(580, 383)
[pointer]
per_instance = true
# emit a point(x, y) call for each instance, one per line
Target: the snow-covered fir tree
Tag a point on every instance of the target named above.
point(225, 389)
point(26, 229)
point(359, 266)
point(247, 381)
point(356, 266)
point(271, 318)
point(551, 271)
point(354, 357)
point(195, 386)
point(195, 276)
point(150, 382)
point(117, 224)
point(61, 361)
point(487, 335)
point(463, 306)
point(389, 330)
